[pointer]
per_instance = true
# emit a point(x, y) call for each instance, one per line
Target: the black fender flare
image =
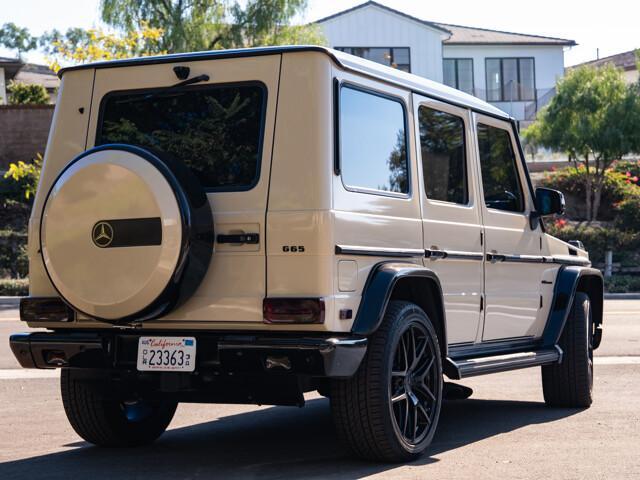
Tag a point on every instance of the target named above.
point(377, 291)
point(569, 280)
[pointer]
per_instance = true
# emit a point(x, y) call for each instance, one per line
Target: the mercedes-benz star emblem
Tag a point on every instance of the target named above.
point(102, 234)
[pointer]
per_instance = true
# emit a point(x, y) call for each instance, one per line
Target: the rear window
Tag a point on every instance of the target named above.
point(215, 130)
point(373, 142)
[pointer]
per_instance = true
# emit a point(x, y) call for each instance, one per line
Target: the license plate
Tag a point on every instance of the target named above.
point(167, 354)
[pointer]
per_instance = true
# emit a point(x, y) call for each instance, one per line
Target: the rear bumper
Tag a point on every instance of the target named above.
point(331, 356)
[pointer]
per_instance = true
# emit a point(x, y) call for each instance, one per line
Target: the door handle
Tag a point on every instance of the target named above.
point(496, 257)
point(435, 254)
point(239, 238)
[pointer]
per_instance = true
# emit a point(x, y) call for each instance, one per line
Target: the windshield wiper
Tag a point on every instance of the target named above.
point(170, 88)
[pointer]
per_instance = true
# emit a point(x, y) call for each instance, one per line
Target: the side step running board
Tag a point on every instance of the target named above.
point(470, 367)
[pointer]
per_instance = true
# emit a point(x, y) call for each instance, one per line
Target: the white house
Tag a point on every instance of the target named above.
point(515, 72)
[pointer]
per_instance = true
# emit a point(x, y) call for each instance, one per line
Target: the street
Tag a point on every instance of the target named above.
point(503, 431)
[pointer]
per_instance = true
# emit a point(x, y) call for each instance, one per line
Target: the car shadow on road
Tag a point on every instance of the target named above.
point(274, 443)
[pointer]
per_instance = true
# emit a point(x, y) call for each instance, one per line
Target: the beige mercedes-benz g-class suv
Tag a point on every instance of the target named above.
point(245, 226)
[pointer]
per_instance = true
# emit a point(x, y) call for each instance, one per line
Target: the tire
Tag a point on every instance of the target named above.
point(570, 383)
point(375, 410)
point(103, 420)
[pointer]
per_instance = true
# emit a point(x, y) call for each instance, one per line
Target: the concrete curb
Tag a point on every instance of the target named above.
point(11, 301)
point(622, 296)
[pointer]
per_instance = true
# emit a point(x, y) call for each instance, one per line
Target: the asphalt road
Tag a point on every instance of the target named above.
point(503, 431)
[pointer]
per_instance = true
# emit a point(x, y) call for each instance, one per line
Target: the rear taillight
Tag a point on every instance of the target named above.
point(293, 310)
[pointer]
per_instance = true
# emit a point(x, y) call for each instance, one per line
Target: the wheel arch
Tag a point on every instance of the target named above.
point(572, 279)
point(401, 281)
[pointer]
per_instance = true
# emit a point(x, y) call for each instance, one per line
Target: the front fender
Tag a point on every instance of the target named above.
point(571, 279)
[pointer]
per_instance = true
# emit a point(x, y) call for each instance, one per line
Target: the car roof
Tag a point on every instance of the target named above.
point(416, 83)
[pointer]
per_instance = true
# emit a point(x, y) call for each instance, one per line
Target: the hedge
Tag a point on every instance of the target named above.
point(12, 287)
point(622, 284)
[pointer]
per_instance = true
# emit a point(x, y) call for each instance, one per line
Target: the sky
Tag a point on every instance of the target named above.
point(612, 26)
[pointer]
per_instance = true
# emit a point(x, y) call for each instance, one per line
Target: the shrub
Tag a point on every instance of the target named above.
point(27, 94)
point(598, 239)
point(14, 287)
point(571, 181)
point(14, 261)
point(14, 215)
point(622, 284)
point(25, 176)
point(630, 169)
point(628, 214)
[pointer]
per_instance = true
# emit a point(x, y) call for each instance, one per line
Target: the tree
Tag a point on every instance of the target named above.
point(27, 94)
point(17, 38)
point(595, 119)
point(81, 46)
point(193, 25)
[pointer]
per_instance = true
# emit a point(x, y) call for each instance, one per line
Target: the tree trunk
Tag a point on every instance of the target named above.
point(588, 188)
point(597, 195)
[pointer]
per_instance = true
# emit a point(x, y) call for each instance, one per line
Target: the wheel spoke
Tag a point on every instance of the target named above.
point(427, 369)
point(414, 400)
point(422, 387)
point(399, 397)
point(415, 423)
point(406, 417)
point(398, 373)
point(419, 355)
point(426, 415)
point(404, 353)
point(412, 334)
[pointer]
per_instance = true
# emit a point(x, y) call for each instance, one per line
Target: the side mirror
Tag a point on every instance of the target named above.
point(549, 202)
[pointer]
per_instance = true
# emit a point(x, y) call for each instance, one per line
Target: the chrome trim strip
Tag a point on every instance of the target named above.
point(453, 255)
point(570, 260)
point(378, 251)
point(559, 260)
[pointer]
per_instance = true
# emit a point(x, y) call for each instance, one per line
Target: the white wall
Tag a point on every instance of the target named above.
point(374, 27)
point(3, 88)
point(631, 76)
point(549, 67)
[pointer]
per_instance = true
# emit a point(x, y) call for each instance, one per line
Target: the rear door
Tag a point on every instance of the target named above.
point(451, 222)
point(222, 129)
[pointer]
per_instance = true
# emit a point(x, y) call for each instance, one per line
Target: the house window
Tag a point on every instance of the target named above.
point(458, 73)
point(510, 79)
point(399, 58)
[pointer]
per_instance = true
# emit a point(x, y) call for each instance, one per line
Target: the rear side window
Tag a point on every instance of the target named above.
point(215, 130)
point(500, 182)
point(373, 143)
point(443, 156)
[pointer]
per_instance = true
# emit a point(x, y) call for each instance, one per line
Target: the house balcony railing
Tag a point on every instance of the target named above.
point(543, 97)
point(531, 107)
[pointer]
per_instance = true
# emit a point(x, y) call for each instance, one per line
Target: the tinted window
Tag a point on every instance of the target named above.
point(443, 155)
point(510, 79)
point(499, 171)
point(216, 131)
point(458, 73)
point(373, 152)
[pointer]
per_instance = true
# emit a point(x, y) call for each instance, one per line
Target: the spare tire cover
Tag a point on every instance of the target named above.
point(117, 234)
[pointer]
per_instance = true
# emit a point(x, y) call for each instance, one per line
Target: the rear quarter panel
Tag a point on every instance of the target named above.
point(67, 139)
